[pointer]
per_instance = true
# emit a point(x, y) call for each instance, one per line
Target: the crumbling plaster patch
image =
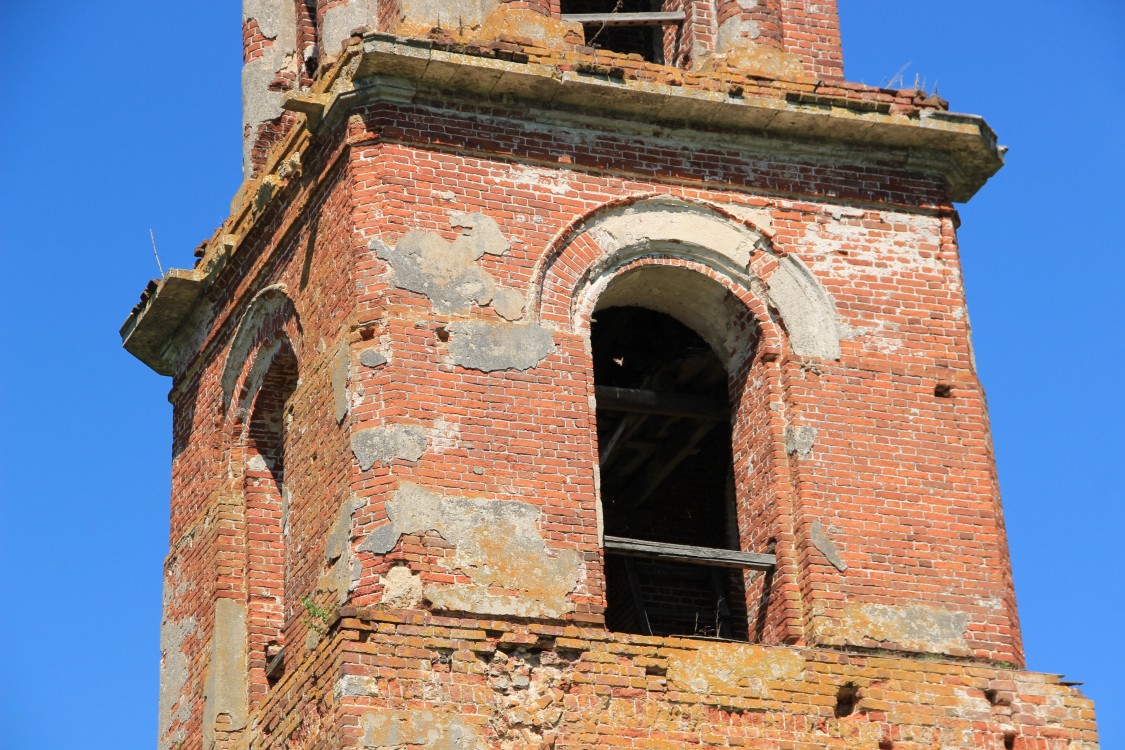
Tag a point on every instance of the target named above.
point(730, 668)
point(446, 272)
point(341, 568)
point(479, 235)
point(401, 588)
point(398, 729)
point(384, 444)
point(173, 676)
point(423, 262)
point(800, 439)
point(508, 304)
point(760, 217)
point(487, 346)
point(226, 692)
point(340, 20)
point(277, 21)
point(911, 627)
point(498, 546)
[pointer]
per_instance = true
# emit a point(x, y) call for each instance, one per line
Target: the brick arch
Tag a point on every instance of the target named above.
point(270, 316)
point(260, 374)
point(609, 238)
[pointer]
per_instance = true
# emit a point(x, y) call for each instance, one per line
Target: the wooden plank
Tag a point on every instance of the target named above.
point(627, 19)
point(639, 401)
point(725, 558)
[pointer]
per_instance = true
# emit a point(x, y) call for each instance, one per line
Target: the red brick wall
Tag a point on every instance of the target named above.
point(495, 684)
point(899, 477)
point(811, 30)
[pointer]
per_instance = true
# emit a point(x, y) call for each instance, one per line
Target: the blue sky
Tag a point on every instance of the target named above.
point(124, 116)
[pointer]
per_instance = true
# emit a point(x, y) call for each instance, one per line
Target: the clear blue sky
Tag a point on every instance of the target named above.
point(124, 115)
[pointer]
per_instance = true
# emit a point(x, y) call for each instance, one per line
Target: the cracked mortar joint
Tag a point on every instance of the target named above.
point(799, 440)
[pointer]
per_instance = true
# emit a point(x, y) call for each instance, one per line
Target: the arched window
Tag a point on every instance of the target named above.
point(664, 437)
point(670, 351)
point(266, 517)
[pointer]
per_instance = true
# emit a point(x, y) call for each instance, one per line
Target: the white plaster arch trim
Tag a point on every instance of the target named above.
point(696, 232)
point(694, 294)
point(272, 300)
point(252, 383)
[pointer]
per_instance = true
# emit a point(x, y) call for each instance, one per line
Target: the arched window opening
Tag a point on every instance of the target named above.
point(667, 482)
point(640, 27)
point(266, 515)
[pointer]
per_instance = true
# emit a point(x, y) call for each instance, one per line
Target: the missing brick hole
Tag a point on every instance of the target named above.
point(943, 390)
point(442, 334)
point(846, 698)
point(1009, 741)
point(886, 745)
point(656, 670)
point(992, 696)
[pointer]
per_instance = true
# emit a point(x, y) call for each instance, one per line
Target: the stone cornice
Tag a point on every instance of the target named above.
point(811, 119)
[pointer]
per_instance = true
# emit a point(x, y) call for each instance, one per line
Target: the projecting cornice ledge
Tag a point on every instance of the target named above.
point(149, 332)
point(961, 147)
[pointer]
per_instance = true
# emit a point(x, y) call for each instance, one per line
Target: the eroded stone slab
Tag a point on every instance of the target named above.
point(226, 692)
point(820, 539)
point(340, 367)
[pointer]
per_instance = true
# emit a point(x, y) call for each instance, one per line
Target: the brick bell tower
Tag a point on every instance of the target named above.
point(585, 374)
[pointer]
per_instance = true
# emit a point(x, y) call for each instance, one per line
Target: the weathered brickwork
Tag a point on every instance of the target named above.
point(392, 501)
point(391, 678)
